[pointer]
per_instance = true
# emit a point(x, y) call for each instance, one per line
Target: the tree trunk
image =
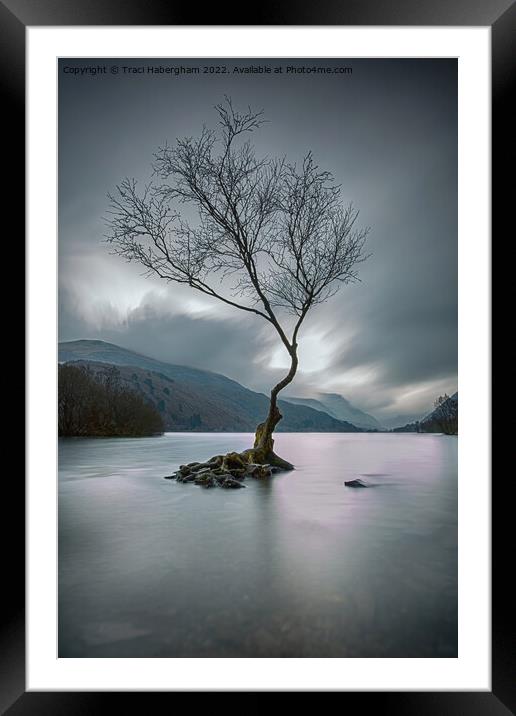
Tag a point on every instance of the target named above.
point(263, 450)
point(227, 470)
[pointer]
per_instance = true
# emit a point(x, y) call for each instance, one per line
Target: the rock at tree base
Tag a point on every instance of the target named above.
point(227, 471)
point(230, 483)
point(355, 483)
point(207, 479)
point(259, 471)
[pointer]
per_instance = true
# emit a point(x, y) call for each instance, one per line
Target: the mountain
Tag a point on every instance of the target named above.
point(193, 399)
point(440, 419)
point(396, 420)
point(340, 408)
point(434, 413)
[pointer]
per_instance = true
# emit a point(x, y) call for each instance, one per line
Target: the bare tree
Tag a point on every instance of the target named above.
point(270, 237)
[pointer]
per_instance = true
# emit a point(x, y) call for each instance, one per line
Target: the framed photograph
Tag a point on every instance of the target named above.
point(258, 278)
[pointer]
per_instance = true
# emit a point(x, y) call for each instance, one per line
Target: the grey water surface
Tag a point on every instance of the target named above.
point(295, 566)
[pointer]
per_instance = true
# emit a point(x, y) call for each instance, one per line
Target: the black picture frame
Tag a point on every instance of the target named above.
point(500, 15)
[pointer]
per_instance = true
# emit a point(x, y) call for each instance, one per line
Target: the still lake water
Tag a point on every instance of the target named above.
point(296, 566)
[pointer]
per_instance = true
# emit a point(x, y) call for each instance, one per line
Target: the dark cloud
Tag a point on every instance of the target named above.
point(232, 346)
point(388, 133)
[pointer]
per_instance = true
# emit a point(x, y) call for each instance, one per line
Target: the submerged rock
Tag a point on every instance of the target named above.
point(259, 471)
point(230, 483)
point(207, 479)
point(355, 483)
point(203, 471)
point(186, 478)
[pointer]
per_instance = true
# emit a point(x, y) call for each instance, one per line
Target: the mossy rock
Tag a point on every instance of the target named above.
point(230, 483)
point(233, 461)
point(230, 470)
point(207, 479)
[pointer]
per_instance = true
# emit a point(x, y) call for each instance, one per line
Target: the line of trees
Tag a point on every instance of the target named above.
point(446, 414)
point(443, 419)
point(98, 404)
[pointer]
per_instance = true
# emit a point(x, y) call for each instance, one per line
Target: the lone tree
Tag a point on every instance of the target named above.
point(269, 237)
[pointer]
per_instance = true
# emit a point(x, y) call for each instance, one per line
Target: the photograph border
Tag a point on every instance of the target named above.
point(14, 18)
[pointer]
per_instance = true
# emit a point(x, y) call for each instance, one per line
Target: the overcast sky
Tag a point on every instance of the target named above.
point(388, 133)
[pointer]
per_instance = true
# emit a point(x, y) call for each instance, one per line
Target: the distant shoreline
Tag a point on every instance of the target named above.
point(248, 432)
